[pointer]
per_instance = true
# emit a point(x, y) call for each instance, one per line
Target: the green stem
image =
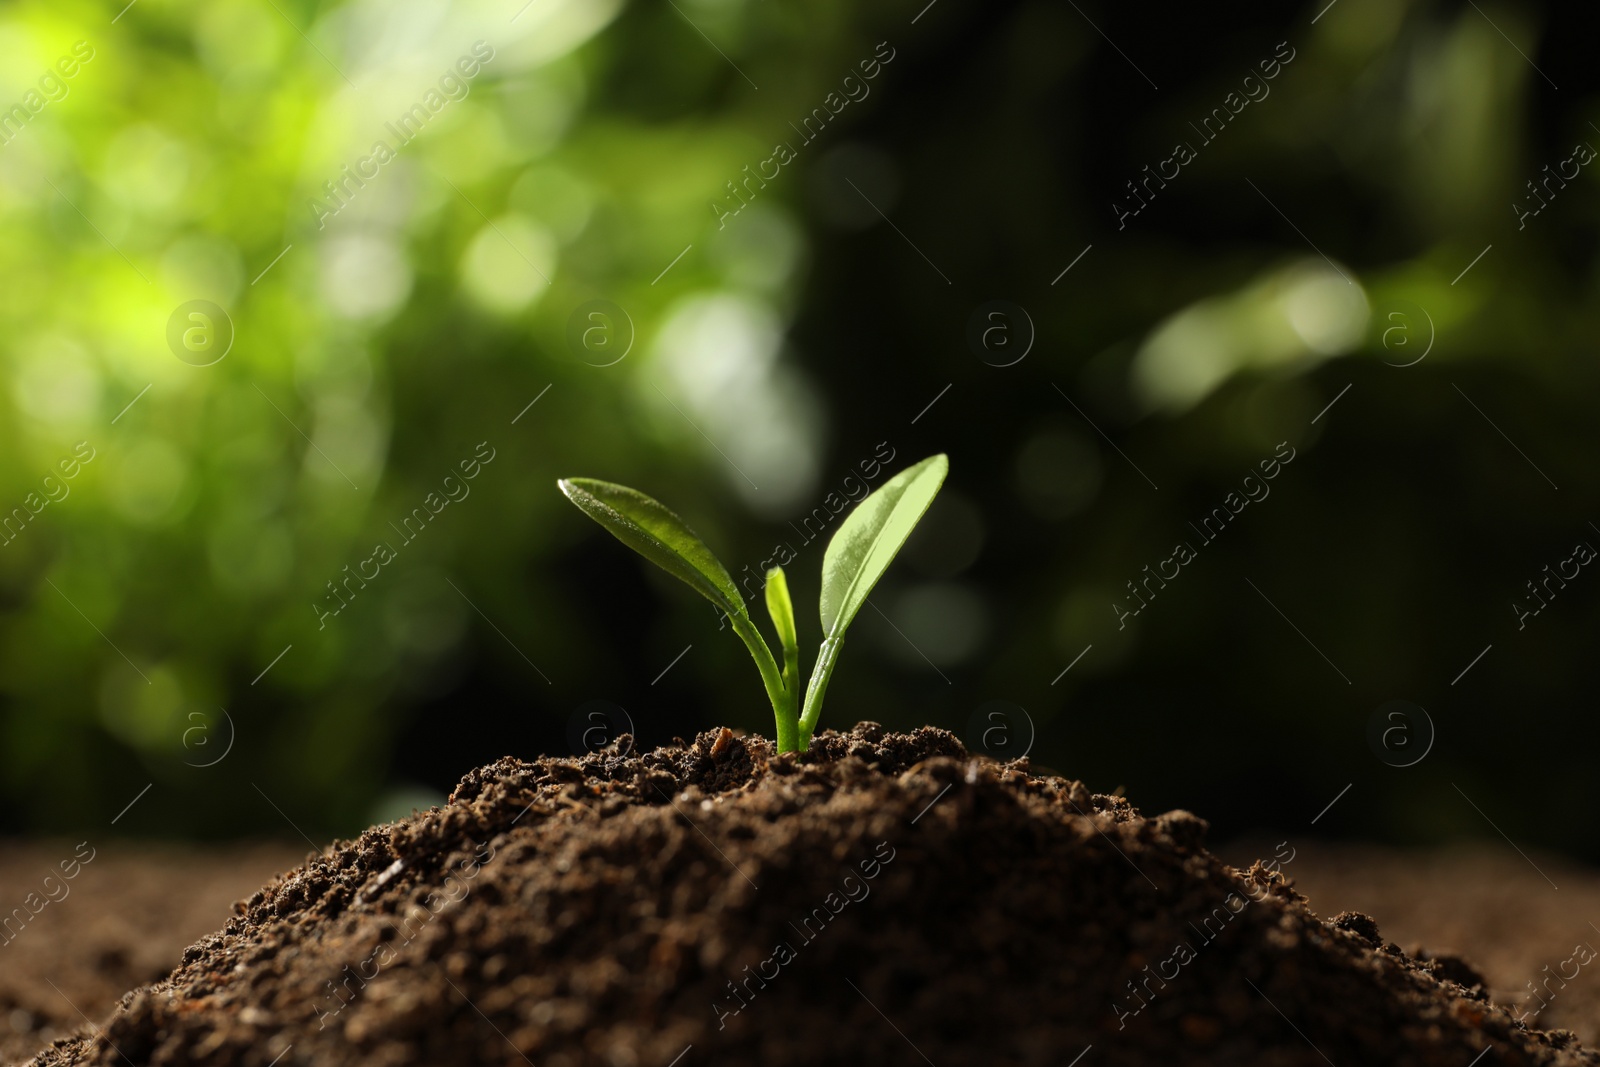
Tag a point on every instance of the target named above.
point(827, 656)
point(777, 692)
point(789, 718)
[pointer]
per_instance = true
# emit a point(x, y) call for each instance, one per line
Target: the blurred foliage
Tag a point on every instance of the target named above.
point(745, 364)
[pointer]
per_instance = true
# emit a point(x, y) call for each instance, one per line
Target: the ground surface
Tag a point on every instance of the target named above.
point(1486, 903)
point(124, 920)
point(575, 880)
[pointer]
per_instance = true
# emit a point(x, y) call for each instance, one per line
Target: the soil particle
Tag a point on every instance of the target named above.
point(883, 898)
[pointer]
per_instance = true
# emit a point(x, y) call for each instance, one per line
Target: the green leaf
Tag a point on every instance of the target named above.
point(654, 531)
point(871, 537)
point(781, 609)
point(867, 542)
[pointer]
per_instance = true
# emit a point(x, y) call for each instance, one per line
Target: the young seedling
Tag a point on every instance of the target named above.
point(859, 553)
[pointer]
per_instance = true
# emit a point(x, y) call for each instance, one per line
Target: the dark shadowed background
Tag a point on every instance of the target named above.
point(735, 254)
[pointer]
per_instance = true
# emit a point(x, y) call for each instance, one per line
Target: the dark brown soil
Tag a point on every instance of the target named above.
point(885, 899)
point(121, 922)
point(1487, 902)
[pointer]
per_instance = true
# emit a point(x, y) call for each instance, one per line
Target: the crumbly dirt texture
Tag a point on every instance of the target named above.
point(883, 899)
point(1484, 901)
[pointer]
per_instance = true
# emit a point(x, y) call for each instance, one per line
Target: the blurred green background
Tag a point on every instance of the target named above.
point(573, 225)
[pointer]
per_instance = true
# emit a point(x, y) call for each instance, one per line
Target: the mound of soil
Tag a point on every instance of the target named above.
point(883, 899)
point(1484, 901)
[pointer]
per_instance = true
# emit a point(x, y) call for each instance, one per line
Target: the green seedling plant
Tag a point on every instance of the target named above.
point(866, 543)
